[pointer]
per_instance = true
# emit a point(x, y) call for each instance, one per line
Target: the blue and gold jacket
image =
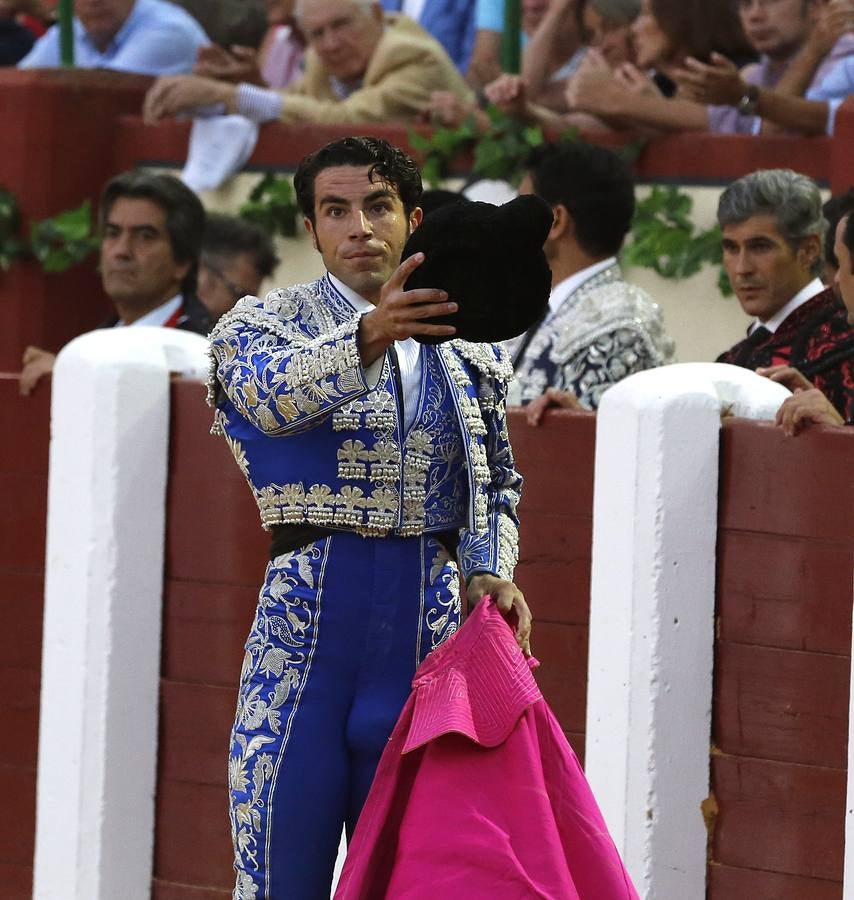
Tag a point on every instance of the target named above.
point(320, 446)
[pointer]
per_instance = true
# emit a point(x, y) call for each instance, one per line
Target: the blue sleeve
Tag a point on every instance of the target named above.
point(489, 15)
point(160, 51)
point(837, 84)
point(45, 52)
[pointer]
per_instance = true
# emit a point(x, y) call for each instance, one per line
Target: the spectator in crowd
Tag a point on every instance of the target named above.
point(605, 26)
point(808, 405)
point(149, 37)
point(598, 328)
point(275, 64)
point(451, 22)
point(801, 44)
point(16, 35)
point(836, 208)
point(152, 228)
point(773, 230)
point(808, 49)
point(646, 93)
point(485, 64)
point(550, 38)
point(361, 66)
point(237, 256)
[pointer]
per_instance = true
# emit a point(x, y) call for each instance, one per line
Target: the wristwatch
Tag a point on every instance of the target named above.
point(749, 101)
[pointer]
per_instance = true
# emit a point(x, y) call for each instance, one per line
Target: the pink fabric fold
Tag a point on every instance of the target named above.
point(478, 794)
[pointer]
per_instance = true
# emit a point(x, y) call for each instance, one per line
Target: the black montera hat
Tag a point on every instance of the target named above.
point(490, 261)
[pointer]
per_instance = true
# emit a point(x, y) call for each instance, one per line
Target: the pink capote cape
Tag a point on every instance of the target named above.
point(478, 794)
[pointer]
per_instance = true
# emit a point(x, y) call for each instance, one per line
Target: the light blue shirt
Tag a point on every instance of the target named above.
point(834, 88)
point(157, 38)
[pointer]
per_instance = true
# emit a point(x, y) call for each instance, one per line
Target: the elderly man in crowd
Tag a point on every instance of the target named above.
point(149, 37)
point(361, 66)
point(152, 235)
point(236, 257)
point(773, 230)
point(598, 328)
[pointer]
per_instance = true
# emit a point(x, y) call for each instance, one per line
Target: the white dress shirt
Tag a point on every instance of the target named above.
point(408, 355)
point(805, 293)
point(158, 316)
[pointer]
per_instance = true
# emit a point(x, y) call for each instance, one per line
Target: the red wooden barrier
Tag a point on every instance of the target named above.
point(780, 715)
point(24, 424)
point(785, 552)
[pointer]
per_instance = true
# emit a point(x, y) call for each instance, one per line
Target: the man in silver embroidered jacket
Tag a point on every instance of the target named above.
point(598, 328)
point(375, 460)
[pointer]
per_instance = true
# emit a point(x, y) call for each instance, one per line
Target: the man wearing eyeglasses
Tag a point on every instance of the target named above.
point(362, 66)
point(236, 257)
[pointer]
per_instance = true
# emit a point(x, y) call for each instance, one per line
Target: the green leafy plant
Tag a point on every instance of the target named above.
point(272, 205)
point(499, 152)
point(664, 238)
point(65, 239)
point(11, 247)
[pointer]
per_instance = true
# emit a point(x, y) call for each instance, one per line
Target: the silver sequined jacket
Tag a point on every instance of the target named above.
point(319, 446)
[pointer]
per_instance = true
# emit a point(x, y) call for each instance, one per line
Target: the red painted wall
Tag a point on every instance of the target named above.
point(782, 663)
point(782, 653)
point(24, 425)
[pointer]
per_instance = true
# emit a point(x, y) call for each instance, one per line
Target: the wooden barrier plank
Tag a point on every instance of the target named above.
point(751, 884)
point(205, 627)
point(18, 822)
point(193, 841)
point(562, 675)
point(213, 532)
point(17, 881)
point(195, 722)
point(784, 705)
point(21, 634)
point(169, 890)
point(554, 566)
point(785, 592)
point(561, 447)
point(19, 717)
point(22, 521)
point(779, 817)
point(758, 490)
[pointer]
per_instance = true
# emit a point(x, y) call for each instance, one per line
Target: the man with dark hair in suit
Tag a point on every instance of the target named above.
point(152, 228)
point(773, 231)
point(599, 328)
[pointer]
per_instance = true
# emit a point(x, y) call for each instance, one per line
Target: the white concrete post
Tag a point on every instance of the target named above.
point(652, 612)
point(103, 591)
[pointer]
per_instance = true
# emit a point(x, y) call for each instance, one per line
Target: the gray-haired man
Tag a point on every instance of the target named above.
point(773, 231)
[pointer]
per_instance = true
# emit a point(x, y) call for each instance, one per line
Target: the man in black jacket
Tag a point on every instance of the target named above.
point(152, 227)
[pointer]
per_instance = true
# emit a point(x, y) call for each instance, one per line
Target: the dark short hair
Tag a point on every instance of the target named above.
point(836, 208)
point(387, 163)
point(228, 236)
point(185, 215)
point(690, 30)
point(594, 185)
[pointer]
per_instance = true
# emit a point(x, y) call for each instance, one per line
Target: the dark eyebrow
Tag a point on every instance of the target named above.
point(382, 194)
point(338, 201)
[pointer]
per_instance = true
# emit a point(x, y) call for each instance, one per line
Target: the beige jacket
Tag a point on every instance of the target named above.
point(407, 66)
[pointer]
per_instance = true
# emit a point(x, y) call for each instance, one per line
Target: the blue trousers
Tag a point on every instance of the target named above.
point(340, 628)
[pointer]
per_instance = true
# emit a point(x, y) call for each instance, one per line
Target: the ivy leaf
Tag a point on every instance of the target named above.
point(272, 205)
point(60, 242)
